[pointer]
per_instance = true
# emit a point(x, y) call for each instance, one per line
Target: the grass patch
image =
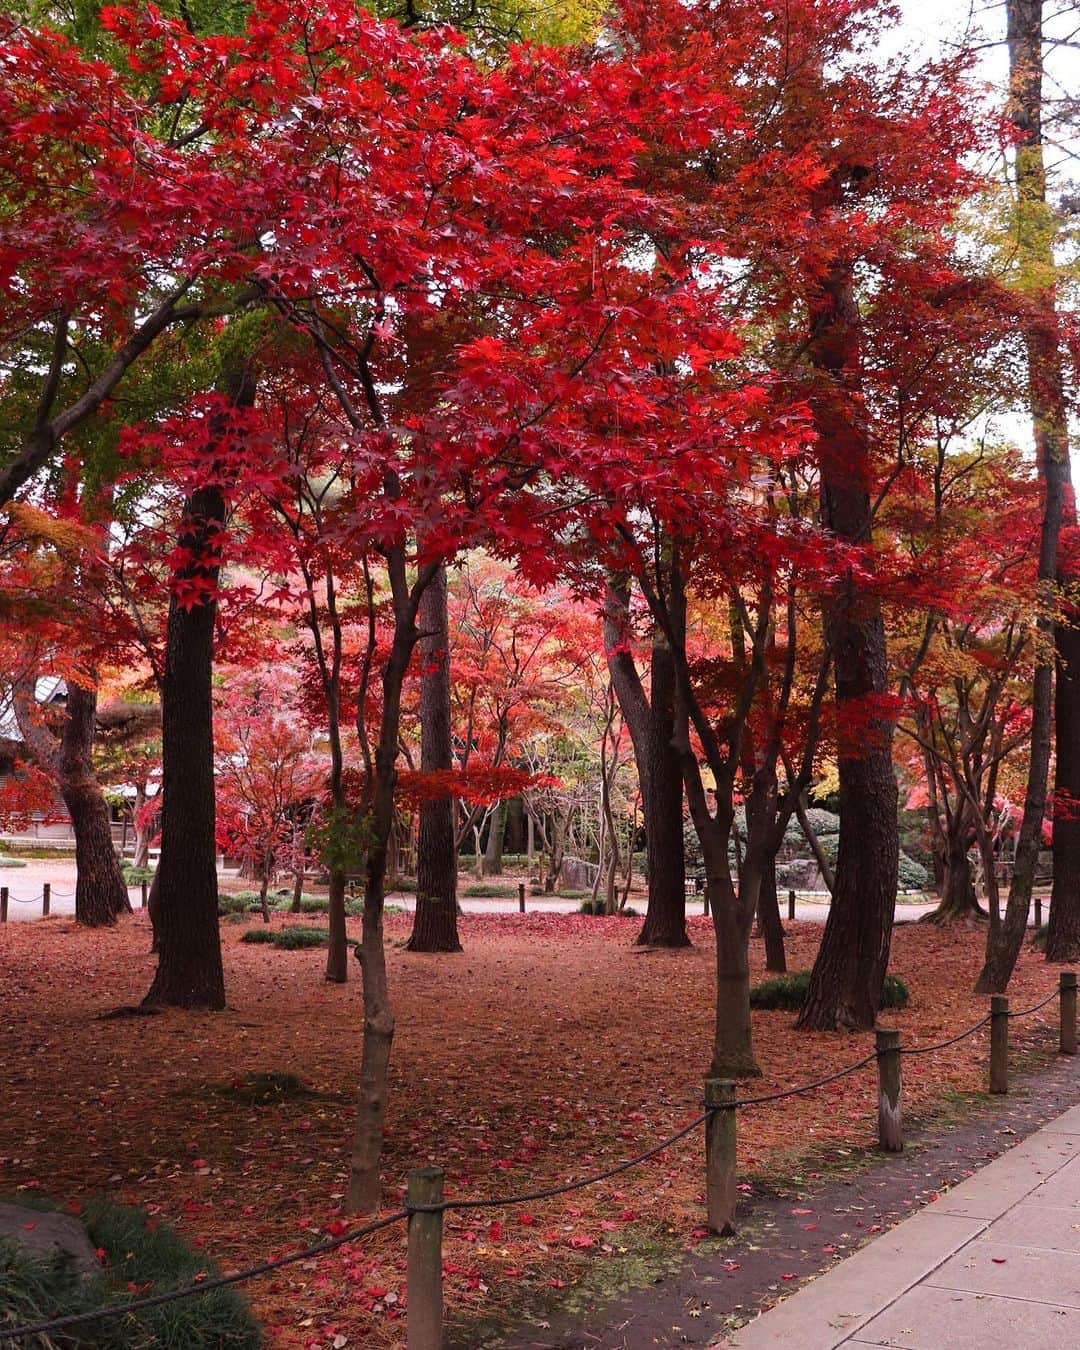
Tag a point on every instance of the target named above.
point(490, 890)
point(140, 1259)
point(264, 1089)
point(12, 862)
point(289, 939)
point(788, 992)
point(319, 904)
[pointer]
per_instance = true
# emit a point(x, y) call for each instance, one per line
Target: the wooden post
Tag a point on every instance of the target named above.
point(46, 900)
point(1067, 997)
point(999, 1043)
point(521, 897)
point(705, 900)
point(890, 1105)
point(142, 896)
point(3, 904)
point(1038, 911)
point(791, 905)
point(720, 1132)
point(424, 1313)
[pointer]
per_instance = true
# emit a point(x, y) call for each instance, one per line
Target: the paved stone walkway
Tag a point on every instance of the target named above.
point(995, 1263)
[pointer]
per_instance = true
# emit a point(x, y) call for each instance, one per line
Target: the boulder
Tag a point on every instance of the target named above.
point(55, 1237)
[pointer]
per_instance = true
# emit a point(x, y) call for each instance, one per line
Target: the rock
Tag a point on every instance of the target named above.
point(56, 1237)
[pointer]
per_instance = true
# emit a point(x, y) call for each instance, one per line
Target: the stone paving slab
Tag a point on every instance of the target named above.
point(998, 1187)
point(930, 1319)
point(1031, 1224)
point(994, 1267)
point(995, 1262)
point(855, 1290)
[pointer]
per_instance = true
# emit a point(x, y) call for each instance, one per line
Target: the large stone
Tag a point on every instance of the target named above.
point(56, 1237)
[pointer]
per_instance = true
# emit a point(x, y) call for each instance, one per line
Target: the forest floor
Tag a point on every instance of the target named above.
point(550, 1049)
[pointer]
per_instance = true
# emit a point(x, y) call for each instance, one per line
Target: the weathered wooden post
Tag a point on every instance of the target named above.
point(521, 897)
point(791, 906)
point(1067, 999)
point(3, 904)
point(890, 1119)
point(1038, 911)
point(142, 896)
point(999, 1043)
point(424, 1314)
point(46, 900)
point(720, 1131)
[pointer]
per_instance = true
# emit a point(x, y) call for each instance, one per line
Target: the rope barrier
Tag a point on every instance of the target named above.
point(1026, 1012)
point(205, 1287)
point(35, 900)
point(942, 1045)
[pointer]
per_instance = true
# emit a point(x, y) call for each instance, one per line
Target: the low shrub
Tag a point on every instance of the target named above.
point(139, 1256)
point(627, 912)
point(788, 992)
point(484, 890)
point(289, 939)
point(12, 862)
point(135, 876)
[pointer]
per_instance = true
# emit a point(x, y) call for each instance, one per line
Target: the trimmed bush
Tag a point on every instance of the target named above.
point(788, 992)
point(483, 890)
point(12, 862)
point(913, 875)
point(141, 1257)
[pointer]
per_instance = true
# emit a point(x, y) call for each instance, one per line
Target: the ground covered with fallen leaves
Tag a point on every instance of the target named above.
point(550, 1049)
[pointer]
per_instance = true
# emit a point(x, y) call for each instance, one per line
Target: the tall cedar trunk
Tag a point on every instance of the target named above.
point(365, 1184)
point(515, 826)
point(662, 808)
point(100, 893)
point(651, 723)
point(1063, 933)
point(435, 924)
point(1046, 399)
point(845, 984)
point(189, 972)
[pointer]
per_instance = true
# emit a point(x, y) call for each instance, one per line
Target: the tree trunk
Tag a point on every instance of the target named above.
point(515, 826)
point(493, 851)
point(100, 893)
point(365, 1185)
point(769, 920)
point(845, 984)
point(435, 923)
point(297, 892)
point(651, 723)
point(337, 951)
point(733, 1050)
point(264, 887)
point(190, 973)
point(1063, 933)
point(958, 898)
point(141, 854)
point(1046, 397)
